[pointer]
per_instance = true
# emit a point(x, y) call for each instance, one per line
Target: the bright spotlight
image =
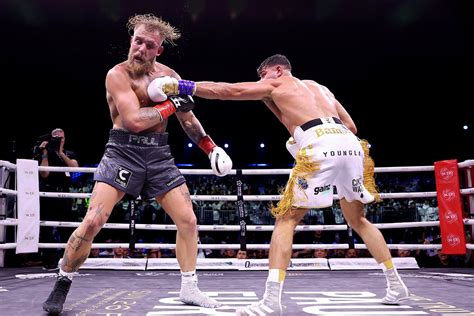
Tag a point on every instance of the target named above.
point(190, 145)
point(226, 145)
point(262, 145)
point(465, 127)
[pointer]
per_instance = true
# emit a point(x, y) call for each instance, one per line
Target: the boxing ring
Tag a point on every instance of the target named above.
point(149, 286)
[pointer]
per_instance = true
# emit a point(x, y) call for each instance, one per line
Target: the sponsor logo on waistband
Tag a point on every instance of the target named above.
point(143, 140)
point(320, 131)
point(334, 153)
point(322, 189)
point(123, 177)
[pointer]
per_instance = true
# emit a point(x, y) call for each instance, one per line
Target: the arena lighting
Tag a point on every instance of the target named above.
point(226, 145)
point(262, 145)
point(190, 145)
point(465, 127)
point(185, 164)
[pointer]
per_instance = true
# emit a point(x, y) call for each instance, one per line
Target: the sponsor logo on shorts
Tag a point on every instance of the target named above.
point(320, 131)
point(334, 153)
point(123, 177)
point(357, 185)
point(322, 189)
point(302, 183)
point(173, 181)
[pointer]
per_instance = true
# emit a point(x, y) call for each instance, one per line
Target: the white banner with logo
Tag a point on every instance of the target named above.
point(295, 264)
point(370, 263)
point(202, 264)
point(27, 237)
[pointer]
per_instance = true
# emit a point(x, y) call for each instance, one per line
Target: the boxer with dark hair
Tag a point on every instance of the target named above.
point(327, 153)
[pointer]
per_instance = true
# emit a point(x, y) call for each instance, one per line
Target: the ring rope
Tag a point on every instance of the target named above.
point(14, 222)
point(463, 164)
point(237, 246)
point(247, 198)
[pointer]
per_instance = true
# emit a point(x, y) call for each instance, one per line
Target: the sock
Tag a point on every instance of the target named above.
point(65, 274)
point(188, 277)
point(387, 265)
point(276, 275)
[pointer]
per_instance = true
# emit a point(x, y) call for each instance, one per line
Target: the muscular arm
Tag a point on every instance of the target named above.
point(191, 126)
point(235, 91)
point(134, 118)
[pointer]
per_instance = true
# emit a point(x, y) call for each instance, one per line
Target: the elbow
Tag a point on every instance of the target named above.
point(132, 125)
point(353, 129)
point(351, 126)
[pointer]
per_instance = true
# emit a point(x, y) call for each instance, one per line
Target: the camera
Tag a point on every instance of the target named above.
point(53, 143)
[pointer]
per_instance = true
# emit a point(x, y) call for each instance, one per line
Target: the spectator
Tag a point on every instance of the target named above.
point(95, 253)
point(351, 253)
point(241, 254)
point(52, 152)
point(320, 253)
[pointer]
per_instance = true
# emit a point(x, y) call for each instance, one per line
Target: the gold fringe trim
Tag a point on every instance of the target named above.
point(303, 168)
point(369, 173)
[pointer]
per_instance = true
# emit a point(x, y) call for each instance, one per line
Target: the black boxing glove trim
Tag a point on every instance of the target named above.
point(216, 164)
point(182, 103)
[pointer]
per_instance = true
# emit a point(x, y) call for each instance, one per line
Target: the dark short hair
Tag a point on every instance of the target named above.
point(274, 60)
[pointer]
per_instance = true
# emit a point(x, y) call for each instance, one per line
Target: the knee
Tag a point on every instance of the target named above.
point(187, 224)
point(357, 223)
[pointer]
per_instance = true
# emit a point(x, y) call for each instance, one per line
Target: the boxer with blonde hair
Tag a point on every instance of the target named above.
point(138, 161)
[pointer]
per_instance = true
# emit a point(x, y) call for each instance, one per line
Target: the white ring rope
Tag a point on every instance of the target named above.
point(464, 164)
point(248, 198)
point(237, 246)
point(14, 222)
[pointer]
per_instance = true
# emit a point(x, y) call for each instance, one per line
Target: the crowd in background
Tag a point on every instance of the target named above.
point(217, 212)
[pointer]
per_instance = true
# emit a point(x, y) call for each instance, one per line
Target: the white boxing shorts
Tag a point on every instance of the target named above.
point(329, 155)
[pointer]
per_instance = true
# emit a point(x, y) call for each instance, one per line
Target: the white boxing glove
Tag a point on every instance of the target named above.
point(292, 146)
point(159, 88)
point(221, 163)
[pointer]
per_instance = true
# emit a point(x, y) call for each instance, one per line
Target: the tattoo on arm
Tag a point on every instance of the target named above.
point(150, 114)
point(193, 129)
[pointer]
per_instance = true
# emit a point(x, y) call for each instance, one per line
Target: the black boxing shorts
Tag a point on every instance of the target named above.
point(139, 164)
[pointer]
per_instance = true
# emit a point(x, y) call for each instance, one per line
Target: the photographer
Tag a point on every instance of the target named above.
point(51, 152)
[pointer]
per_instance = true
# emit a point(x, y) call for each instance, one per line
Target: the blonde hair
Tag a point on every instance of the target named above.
point(154, 23)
